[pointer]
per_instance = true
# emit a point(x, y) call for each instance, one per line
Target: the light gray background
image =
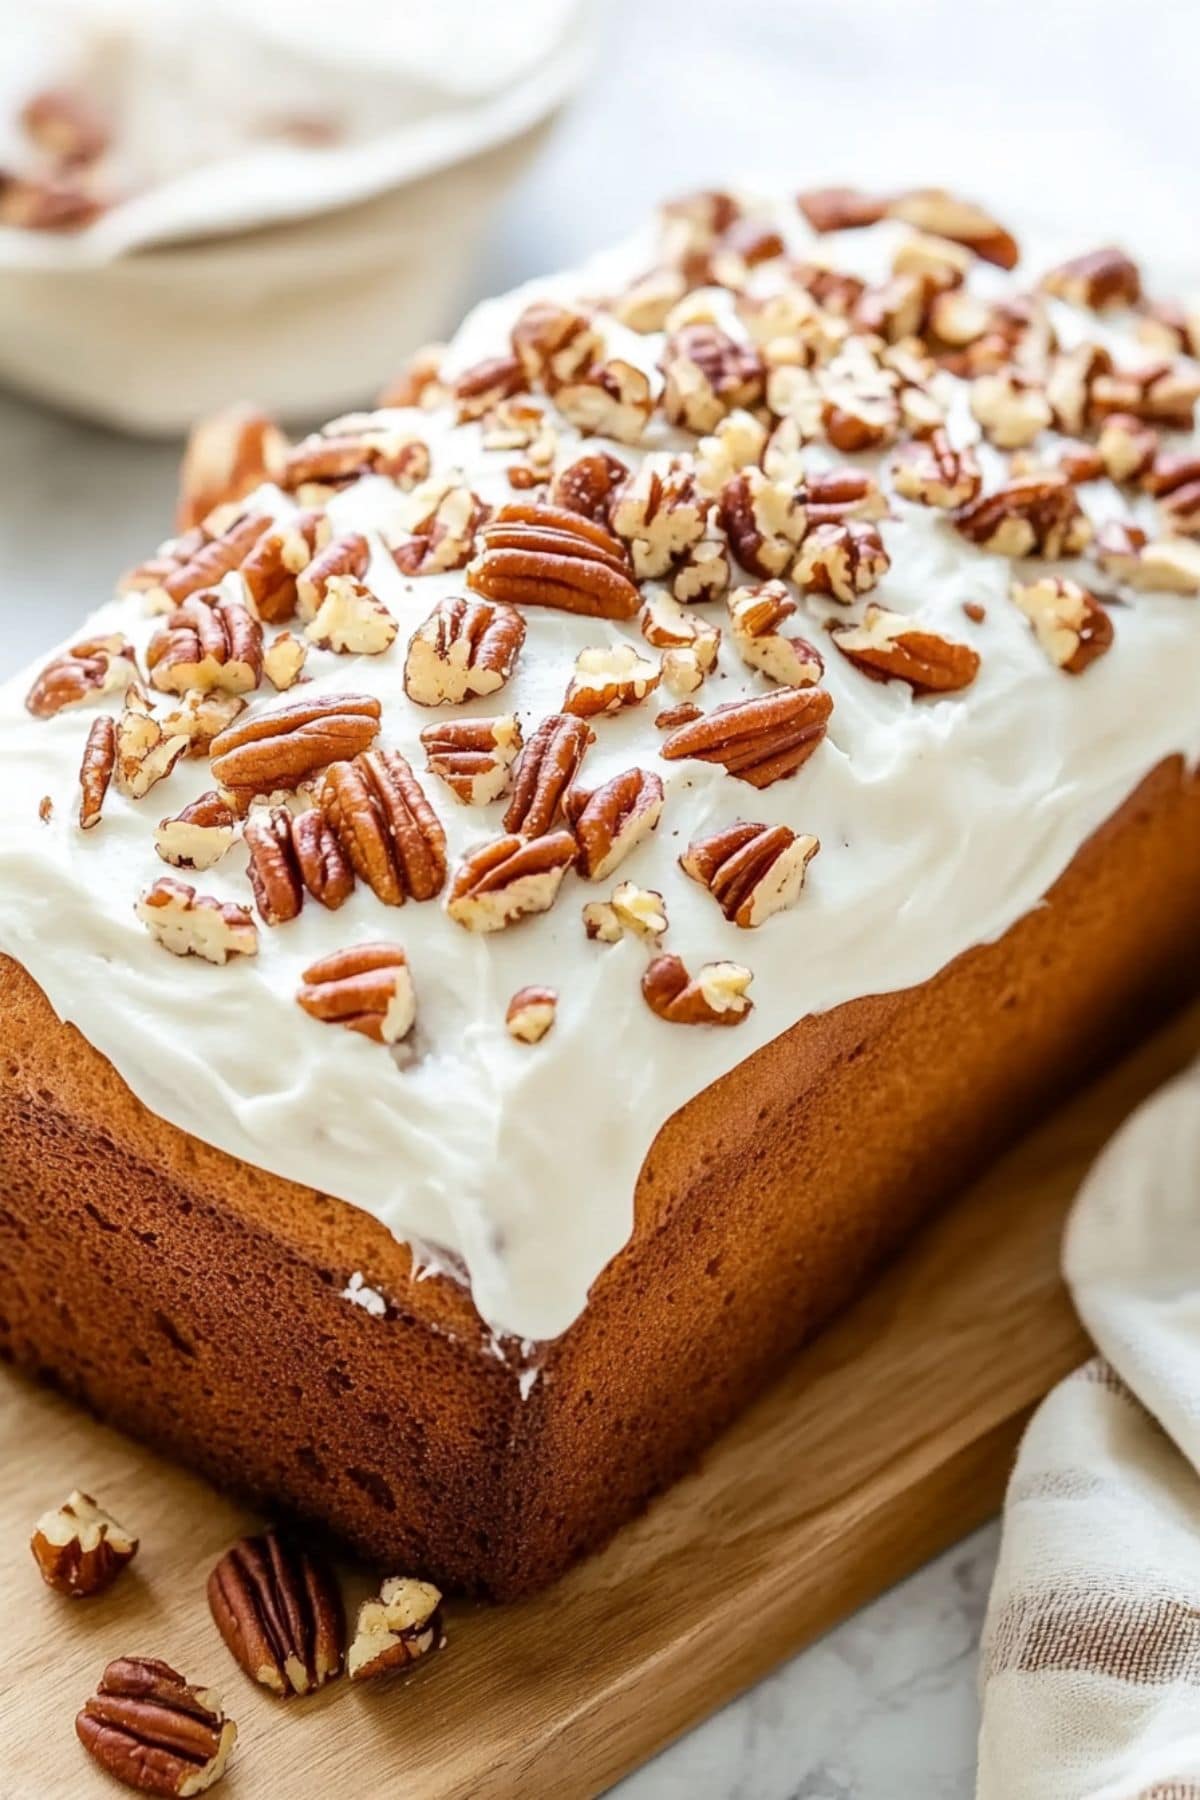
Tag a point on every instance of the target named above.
point(1074, 111)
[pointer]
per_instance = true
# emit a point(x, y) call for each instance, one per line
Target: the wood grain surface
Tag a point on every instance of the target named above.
point(888, 1439)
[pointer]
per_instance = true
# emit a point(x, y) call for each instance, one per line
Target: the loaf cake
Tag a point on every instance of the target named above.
point(513, 912)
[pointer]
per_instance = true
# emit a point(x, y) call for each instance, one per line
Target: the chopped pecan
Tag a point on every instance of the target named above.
point(1098, 279)
point(66, 126)
point(277, 750)
point(290, 852)
point(636, 911)
point(485, 384)
point(752, 871)
point(756, 615)
point(587, 485)
point(143, 752)
point(859, 407)
point(207, 642)
point(691, 644)
point(1119, 547)
point(278, 1607)
point(284, 659)
point(607, 677)
point(708, 374)
point(474, 757)
point(1169, 565)
point(1071, 385)
point(93, 666)
point(543, 556)
point(715, 995)
point(1169, 329)
point(671, 716)
point(393, 838)
point(936, 261)
point(612, 820)
point(228, 455)
point(957, 318)
point(55, 203)
point(191, 924)
point(521, 424)
point(438, 526)
point(931, 471)
point(345, 556)
point(79, 1548)
point(271, 569)
point(1126, 447)
point(152, 1731)
point(940, 214)
point(505, 880)
point(351, 620)
point(840, 208)
point(347, 449)
point(1034, 515)
point(1071, 625)
point(555, 344)
point(199, 560)
point(530, 1014)
point(404, 1623)
point(647, 302)
point(842, 561)
point(703, 573)
point(549, 764)
point(1078, 462)
point(832, 495)
point(660, 514)
point(759, 740)
point(737, 441)
point(1164, 393)
point(419, 382)
point(1011, 409)
point(201, 718)
point(367, 988)
point(96, 769)
point(611, 399)
point(764, 521)
point(895, 309)
point(891, 646)
point(197, 837)
point(1174, 480)
point(464, 649)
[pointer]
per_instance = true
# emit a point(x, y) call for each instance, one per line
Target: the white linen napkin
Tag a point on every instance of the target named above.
point(1090, 1669)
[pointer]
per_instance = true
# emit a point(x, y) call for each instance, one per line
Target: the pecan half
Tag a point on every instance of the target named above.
point(207, 642)
point(438, 525)
point(761, 739)
point(201, 560)
point(542, 556)
point(394, 840)
point(277, 750)
point(146, 1726)
point(608, 677)
point(278, 1607)
point(715, 995)
point(290, 852)
point(932, 472)
point(660, 515)
point(530, 1014)
point(1174, 480)
point(228, 455)
point(284, 659)
point(367, 988)
point(351, 620)
point(474, 757)
point(347, 555)
point(143, 752)
point(350, 448)
point(1034, 515)
point(751, 871)
point(587, 485)
point(548, 765)
point(1071, 625)
point(555, 344)
point(272, 568)
point(79, 1548)
point(93, 666)
point(842, 561)
point(612, 820)
point(500, 882)
point(708, 374)
point(405, 1622)
point(191, 924)
point(891, 646)
point(764, 521)
point(756, 615)
point(611, 400)
point(633, 911)
point(96, 769)
point(199, 836)
point(464, 649)
point(1098, 279)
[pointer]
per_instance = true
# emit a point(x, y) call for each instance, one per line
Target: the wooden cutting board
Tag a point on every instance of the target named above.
point(888, 1439)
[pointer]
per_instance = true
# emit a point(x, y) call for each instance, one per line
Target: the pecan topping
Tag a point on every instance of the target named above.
point(403, 1624)
point(474, 757)
point(351, 620)
point(201, 718)
point(440, 520)
point(638, 911)
point(290, 852)
point(760, 740)
point(1071, 625)
point(367, 988)
point(691, 644)
point(79, 1548)
point(840, 208)
point(1034, 515)
point(1165, 393)
point(96, 769)
point(890, 646)
point(485, 384)
point(197, 837)
point(842, 561)
point(756, 615)
point(143, 753)
point(283, 660)
point(147, 1727)
point(271, 569)
point(464, 649)
point(752, 871)
point(228, 455)
point(930, 470)
point(587, 485)
point(93, 666)
point(199, 560)
point(608, 677)
point(549, 764)
point(345, 556)
point(500, 882)
point(715, 995)
point(1174, 480)
point(611, 400)
point(940, 214)
point(1011, 408)
point(555, 344)
point(1098, 279)
point(1126, 447)
point(530, 1014)
point(660, 514)
point(707, 374)
point(764, 520)
point(279, 1610)
point(350, 448)
point(277, 750)
point(191, 924)
point(207, 642)
point(612, 820)
point(393, 838)
point(542, 556)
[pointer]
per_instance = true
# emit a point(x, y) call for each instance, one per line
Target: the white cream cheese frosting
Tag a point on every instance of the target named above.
point(941, 821)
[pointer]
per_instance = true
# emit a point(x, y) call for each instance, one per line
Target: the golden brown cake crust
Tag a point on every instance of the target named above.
point(198, 1302)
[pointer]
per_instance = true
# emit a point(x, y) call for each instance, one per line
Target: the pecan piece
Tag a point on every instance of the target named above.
point(530, 1014)
point(290, 852)
point(272, 568)
point(199, 836)
point(752, 871)
point(207, 642)
point(1033, 515)
point(756, 614)
point(1174, 480)
point(612, 820)
point(143, 752)
point(93, 666)
point(636, 911)
point(146, 1726)
point(405, 1622)
point(1165, 393)
point(541, 556)
point(691, 644)
point(347, 555)
point(890, 646)
point(201, 718)
point(419, 382)
point(278, 1607)
point(587, 485)
point(842, 561)
point(500, 882)
point(611, 400)
point(351, 620)
point(277, 750)
point(200, 560)
point(608, 677)
point(96, 769)
point(760, 740)
point(1071, 625)
point(1011, 408)
point(367, 988)
point(703, 573)
point(485, 384)
point(715, 995)
point(464, 649)
point(708, 374)
point(835, 495)
point(283, 660)
point(474, 757)
point(438, 526)
point(350, 448)
point(932, 472)
point(660, 514)
point(840, 208)
point(191, 924)
point(764, 520)
point(394, 840)
point(79, 1548)
point(548, 765)
point(1125, 448)
point(555, 344)
point(228, 455)
point(940, 214)
point(1098, 279)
